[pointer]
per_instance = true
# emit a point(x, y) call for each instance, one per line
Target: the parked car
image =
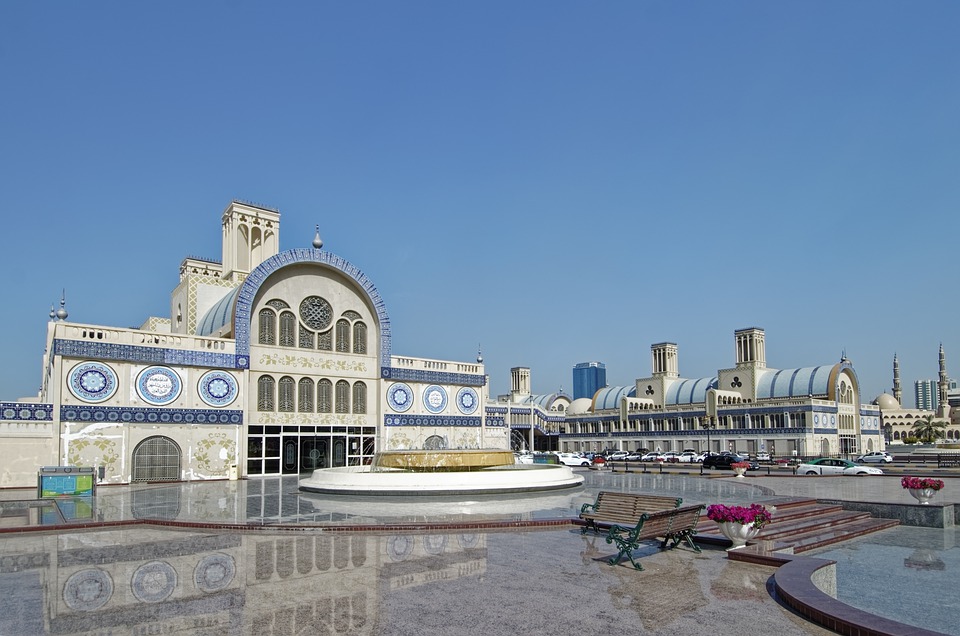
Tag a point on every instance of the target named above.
point(634, 457)
point(617, 456)
point(670, 456)
point(652, 457)
point(573, 459)
point(763, 457)
point(687, 456)
point(878, 457)
point(835, 466)
point(722, 462)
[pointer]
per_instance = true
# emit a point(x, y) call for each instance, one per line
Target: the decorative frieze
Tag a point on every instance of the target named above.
point(135, 415)
point(144, 355)
point(424, 376)
point(430, 420)
point(26, 411)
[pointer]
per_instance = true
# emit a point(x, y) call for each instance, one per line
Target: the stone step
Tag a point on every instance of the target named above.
point(800, 525)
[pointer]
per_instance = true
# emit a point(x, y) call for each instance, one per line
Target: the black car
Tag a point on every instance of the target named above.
point(722, 462)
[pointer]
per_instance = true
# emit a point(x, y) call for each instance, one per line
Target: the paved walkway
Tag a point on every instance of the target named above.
point(203, 580)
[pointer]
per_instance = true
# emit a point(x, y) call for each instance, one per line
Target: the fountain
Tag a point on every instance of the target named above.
point(441, 472)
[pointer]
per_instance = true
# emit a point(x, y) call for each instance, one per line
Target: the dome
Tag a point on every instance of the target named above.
point(887, 402)
point(580, 406)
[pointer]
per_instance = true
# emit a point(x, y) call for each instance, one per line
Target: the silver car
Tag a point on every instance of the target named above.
point(878, 457)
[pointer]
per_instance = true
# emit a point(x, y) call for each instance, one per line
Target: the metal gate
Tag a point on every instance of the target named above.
point(156, 459)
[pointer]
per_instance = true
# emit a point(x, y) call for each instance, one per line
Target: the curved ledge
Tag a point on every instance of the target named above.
point(794, 584)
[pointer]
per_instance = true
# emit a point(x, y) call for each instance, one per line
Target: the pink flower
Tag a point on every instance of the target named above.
point(921, 483)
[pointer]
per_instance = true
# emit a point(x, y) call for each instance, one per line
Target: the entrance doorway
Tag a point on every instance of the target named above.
point(156, 458)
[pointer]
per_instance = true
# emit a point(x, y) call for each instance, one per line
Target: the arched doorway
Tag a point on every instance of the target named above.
point(156, 458)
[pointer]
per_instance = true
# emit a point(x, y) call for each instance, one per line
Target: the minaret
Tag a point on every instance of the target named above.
point(943, 386)
point(897, 391)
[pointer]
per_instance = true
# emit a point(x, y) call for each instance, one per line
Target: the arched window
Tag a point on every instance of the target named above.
point(359, 338)
point(288, 329)
point(268, 327)
point(305, 395)
point(359, 397)
point(343, 397)
point(265, 397)
point(324, 396)
point(285, 395)
point(343, 336)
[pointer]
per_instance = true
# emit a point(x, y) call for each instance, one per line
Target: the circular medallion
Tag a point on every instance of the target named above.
point(88, 590)
point(92, 382)
point(399, 546)
point(154, 582)
point(468, 541)
point(316, 313)
point(434, 543)
point(467, 400)
point(434, 398)
point(816, 419)
point(218, 388)
point(158, 385)
point(214, 572)
point(400, 397)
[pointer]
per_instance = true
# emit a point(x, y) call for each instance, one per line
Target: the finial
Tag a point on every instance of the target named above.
point(62, 312)
point(479, 355)
point(53, 312)
point(317, 241)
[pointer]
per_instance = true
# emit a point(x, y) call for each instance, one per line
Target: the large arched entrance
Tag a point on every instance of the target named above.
point(156, 458)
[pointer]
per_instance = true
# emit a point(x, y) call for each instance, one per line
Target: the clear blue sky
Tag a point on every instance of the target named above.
point(553, 181)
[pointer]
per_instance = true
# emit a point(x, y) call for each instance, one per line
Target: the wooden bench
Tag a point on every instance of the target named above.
point(623, 508)
point(676, 525)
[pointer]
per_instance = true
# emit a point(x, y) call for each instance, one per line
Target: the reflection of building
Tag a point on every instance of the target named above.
point(746, 408)
point(149, 580)
point(276, 362)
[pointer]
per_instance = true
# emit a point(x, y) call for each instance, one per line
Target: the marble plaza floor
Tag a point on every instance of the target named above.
point(451, 575)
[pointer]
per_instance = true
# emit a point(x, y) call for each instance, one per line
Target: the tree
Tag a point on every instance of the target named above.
point(929, 429)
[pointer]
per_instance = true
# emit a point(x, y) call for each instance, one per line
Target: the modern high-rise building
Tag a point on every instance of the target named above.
point(926, 394)
point(588, 378)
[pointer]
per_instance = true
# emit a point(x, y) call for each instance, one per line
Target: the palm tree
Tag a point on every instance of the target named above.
point(929, 429)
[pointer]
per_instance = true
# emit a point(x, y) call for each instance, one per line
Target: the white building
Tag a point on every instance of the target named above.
point(271, 362)
point(747, 408)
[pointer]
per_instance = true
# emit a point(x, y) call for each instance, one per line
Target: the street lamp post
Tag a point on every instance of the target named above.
point(707, 425)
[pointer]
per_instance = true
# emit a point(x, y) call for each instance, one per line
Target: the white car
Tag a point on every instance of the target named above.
point(618, 456)
point(573, 459)
point(832, 466)
point(687, 456)
point(879, 457)
point(671, 456)
point(652, 457)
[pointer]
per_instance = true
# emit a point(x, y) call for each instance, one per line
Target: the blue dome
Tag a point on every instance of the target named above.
point(689, 391)
point(218, 315)
point(794, 382)
point(609, 397)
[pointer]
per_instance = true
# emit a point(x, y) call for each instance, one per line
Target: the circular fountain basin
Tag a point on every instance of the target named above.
point(441, 473)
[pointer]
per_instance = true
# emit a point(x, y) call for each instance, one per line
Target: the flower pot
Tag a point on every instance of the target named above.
point(740, 471)
point(923, 495)
point(738, 533)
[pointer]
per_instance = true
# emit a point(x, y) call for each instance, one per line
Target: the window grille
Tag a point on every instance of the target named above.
point(359, 397)
point(306, 338)
point(268, 327)
point(285, 395)
point(305, 395)
point(324, 396)
point(343, 336)
point(288, 327)
point(325, 340)
point(343, 397)
point(359, 338)
point(265, 399)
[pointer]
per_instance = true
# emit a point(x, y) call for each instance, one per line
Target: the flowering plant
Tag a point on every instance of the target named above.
point(755, 515)
point(921, 482)
point(740, 465)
